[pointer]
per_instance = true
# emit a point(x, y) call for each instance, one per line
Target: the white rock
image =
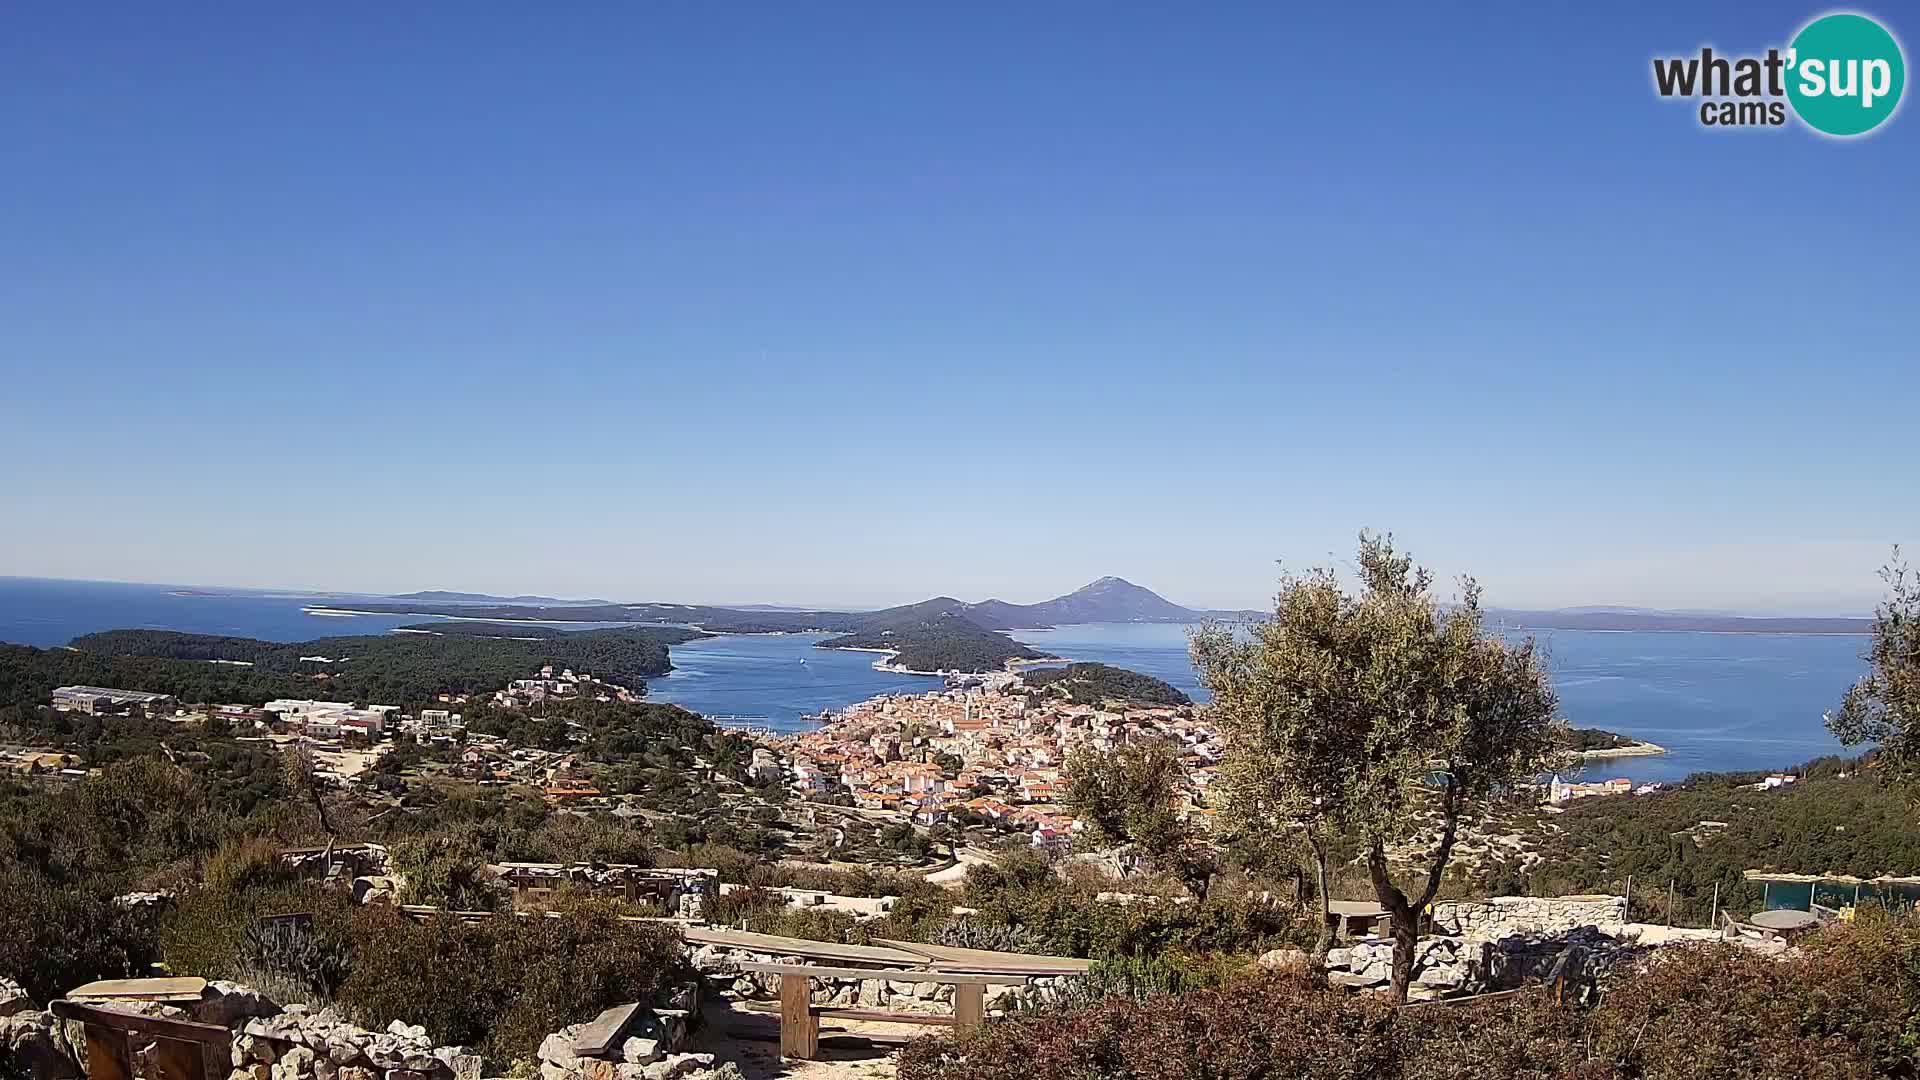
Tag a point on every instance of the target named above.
point(1278, 959)
point(640, 1051)
point(409, 1032)
point(295, 1064)
point(558, 1048)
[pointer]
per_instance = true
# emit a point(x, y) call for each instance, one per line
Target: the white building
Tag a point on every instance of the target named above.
point(301, 708)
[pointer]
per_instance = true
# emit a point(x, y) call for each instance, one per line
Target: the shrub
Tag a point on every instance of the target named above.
point(245, 863)
point(295, 960)
point(445, 870)
point(1069, 919)
point(1263, 1028)
point(1845, 1008)
point(1130, 977)
point(505, 982)
point(54, 937)
point(210, 932)
point(961, 932)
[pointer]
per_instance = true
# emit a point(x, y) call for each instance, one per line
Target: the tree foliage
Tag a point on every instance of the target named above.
point(1368, 712)
point(1095, 684)
point(1135, 795)
point(1883, 708)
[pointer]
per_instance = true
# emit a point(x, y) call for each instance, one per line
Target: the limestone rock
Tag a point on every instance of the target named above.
point(638, 1051)
point(409, 1032)
point(1283, 960)
point(343, 1049)
point(463, 1063)
point(386, 1053)
point(558, 1048)
point(295, 1064)
point(14, 999)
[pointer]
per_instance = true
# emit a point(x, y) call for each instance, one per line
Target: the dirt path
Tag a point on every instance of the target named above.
point(841, 1057)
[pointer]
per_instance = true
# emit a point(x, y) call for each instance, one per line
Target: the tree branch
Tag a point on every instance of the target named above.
point(1447, 834)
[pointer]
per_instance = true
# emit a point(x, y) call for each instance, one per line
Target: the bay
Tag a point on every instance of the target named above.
point(1718, 702)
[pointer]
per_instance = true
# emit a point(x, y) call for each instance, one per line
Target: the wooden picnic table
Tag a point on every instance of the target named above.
point(800, 1017)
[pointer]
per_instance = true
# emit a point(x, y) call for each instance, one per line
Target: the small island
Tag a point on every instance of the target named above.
point(410, 667)
point(935, 645)
point(1596, 744)
point(1096, 684)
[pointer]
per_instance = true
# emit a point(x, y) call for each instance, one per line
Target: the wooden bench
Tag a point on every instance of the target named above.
point(181, 1049)
point(800, 1017)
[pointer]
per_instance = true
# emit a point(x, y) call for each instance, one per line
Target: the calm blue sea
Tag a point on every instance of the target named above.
point(1717, 701)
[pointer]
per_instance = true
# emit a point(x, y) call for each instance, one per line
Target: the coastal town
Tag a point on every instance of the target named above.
point(986, 751)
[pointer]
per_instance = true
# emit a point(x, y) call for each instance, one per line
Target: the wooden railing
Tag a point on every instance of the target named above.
point(172, 1049)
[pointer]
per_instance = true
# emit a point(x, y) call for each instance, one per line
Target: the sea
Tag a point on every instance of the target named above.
point(1718, 702)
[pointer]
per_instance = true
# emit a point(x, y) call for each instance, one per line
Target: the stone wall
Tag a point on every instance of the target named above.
point(720, 966)
point(271, 1042)
point(1528, 914)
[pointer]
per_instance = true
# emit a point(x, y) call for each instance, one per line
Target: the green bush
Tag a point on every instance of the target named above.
point(207, 931)
point(245, 863)
point(56, 936)
point(1134, 978)
point(503, 983)
point(295, 960)
point(447, 871)
point(962, 932)
point(1067, 918)
point(1845, 1008)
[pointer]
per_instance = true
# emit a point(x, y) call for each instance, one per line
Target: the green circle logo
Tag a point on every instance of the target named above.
point(1845, 74)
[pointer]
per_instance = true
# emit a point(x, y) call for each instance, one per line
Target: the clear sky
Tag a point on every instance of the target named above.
point(837, 303)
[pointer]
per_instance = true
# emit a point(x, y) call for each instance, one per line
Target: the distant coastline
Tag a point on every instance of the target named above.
point(349, 612)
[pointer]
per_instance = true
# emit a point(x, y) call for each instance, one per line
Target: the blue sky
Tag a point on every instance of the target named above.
point(858, 303)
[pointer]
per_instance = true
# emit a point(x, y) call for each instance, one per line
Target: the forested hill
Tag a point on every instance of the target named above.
point(441, 596)
point(716, 619)
point(392, 669)
point(1110, 599)
point(1093, 684)
point(939, 643)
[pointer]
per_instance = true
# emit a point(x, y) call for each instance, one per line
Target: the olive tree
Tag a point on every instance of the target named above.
point(1883, 708)
point(1135, 794)
point(1380, 714)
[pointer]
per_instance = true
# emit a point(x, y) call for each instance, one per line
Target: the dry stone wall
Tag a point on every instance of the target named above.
point(1528, 914)
point(720, 966)
point(271, 1042)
